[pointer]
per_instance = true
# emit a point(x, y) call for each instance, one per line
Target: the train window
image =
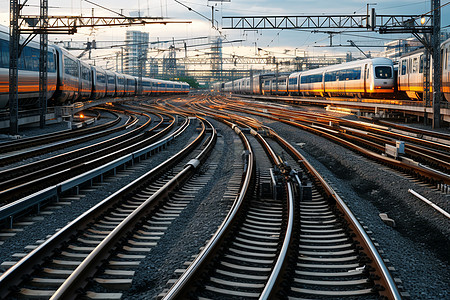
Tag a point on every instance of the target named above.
point(111, 80)
point(293, 81)
point(446, 59)
point(34, 60)
point(4, 54)
point(404, 66)
point(101, 78)
point(383, 72)
point(415, 65)
point(51, 67)
point(70, 67)
point(332, 76)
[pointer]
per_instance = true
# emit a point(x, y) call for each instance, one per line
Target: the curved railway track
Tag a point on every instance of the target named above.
point(29, 178)
point(28, 147)
point(68, 258)
point(267, 240)
point(364, 144)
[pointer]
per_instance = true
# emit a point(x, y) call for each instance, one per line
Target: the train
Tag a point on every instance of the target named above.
point(377, 77)
point(70, 79)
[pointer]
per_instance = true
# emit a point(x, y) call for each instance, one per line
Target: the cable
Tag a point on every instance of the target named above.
point(105, 8)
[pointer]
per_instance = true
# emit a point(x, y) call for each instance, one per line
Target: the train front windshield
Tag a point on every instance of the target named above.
point(383, 72)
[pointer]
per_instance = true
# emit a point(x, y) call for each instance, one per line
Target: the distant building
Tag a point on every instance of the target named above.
point(399, 47)
point(136, 48)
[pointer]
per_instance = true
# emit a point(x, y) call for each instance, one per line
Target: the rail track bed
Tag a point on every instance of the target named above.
point(243, 224)
point(250, 259)
point(76, 255)
point(370, 189)
point(46, 172)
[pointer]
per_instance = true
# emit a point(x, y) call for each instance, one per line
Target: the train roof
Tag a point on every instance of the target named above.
point(420, 50)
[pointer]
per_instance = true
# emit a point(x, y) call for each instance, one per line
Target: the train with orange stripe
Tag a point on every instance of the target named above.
point(71, 79)
point(367, 78)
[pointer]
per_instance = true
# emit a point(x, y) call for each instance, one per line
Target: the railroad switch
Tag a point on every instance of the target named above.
point(303, 184)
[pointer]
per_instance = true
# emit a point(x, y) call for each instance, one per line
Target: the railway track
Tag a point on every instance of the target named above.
point(28, 147)
point(30, 178)
point(119, 229)
point(435, 160)
point(285, 229)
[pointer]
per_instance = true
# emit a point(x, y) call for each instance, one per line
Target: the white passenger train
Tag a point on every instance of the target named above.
point(70, 79)
point(411, 72)
point(364, 78)
point(371, 78)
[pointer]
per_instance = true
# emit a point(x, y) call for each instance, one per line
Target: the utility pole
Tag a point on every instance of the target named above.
point(436, 46)
point(14, 38)
point(43, 64)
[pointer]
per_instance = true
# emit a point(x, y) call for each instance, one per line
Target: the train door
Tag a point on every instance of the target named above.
point(403, 81)
point(365, 77)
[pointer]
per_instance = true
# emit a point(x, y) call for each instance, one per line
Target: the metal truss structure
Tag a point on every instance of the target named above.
point(384, 23)
point(70, 24)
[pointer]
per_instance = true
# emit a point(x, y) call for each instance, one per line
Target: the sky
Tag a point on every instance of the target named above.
point(271, 42)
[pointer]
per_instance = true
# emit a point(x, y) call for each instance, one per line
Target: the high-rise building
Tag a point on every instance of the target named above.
point(136, 48)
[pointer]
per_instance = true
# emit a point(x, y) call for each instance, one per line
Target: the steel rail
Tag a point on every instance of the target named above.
point(387, 281)
point(426, 172)
point(180, 287)
point(269, 289)
point(88, 266)
point(70, 168)
point(52, 137)
point(14, 275)
point(67, 143)
point(434, 157)
point(66, 158)
point(9, 210)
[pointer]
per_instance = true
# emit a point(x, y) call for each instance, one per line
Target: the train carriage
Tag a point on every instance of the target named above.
point(111, 82)
point(129, 85)
point(372, 77)
point(120, 84)
point(410, 78)
point(266, 86)
point(293, 83)
point(98, 82)
point(280, 85)
point(28, 72)
point(68, 73)
point(85, 81)
point(310, 83)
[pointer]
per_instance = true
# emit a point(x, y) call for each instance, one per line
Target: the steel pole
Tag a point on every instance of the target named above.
point(43, 63)
point(436, 45)
point(14, 37)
